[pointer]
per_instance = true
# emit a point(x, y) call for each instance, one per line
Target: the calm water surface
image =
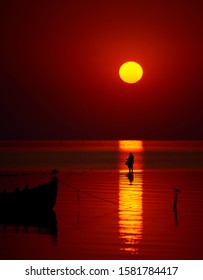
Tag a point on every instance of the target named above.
point(101, 212)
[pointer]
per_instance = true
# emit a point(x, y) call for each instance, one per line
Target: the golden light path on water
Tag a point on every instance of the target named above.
point(130, 197)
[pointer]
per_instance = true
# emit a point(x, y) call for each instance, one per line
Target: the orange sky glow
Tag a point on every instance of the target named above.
point(60, 64)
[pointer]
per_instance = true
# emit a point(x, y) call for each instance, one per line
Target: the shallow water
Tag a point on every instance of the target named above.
point(101, 212)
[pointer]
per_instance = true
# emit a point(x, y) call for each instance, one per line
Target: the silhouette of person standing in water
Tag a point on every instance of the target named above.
point(130, 162)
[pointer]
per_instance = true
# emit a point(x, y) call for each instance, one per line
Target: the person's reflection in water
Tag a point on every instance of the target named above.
point(130, 177)
point(130, 162)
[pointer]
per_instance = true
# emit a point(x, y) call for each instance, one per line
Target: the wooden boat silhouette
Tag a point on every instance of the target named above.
point(30, 208)
point(42, 197)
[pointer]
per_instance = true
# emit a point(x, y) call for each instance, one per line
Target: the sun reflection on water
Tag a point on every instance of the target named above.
point(130, 198)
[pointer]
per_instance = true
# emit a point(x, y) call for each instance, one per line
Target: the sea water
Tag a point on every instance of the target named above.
point(102, 211)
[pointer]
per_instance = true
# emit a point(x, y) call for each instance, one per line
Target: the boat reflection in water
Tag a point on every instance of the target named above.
point(130, 198)
point(30, 221)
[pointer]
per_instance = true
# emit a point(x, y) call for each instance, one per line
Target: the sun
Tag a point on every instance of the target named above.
point(130, 72)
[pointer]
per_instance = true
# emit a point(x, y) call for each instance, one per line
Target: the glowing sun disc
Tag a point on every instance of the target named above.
point(130, 72)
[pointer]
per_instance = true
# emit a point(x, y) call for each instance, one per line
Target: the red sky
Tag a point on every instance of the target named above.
point(60, 62)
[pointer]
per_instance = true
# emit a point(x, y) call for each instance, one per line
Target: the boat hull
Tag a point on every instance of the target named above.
point(38, 198)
